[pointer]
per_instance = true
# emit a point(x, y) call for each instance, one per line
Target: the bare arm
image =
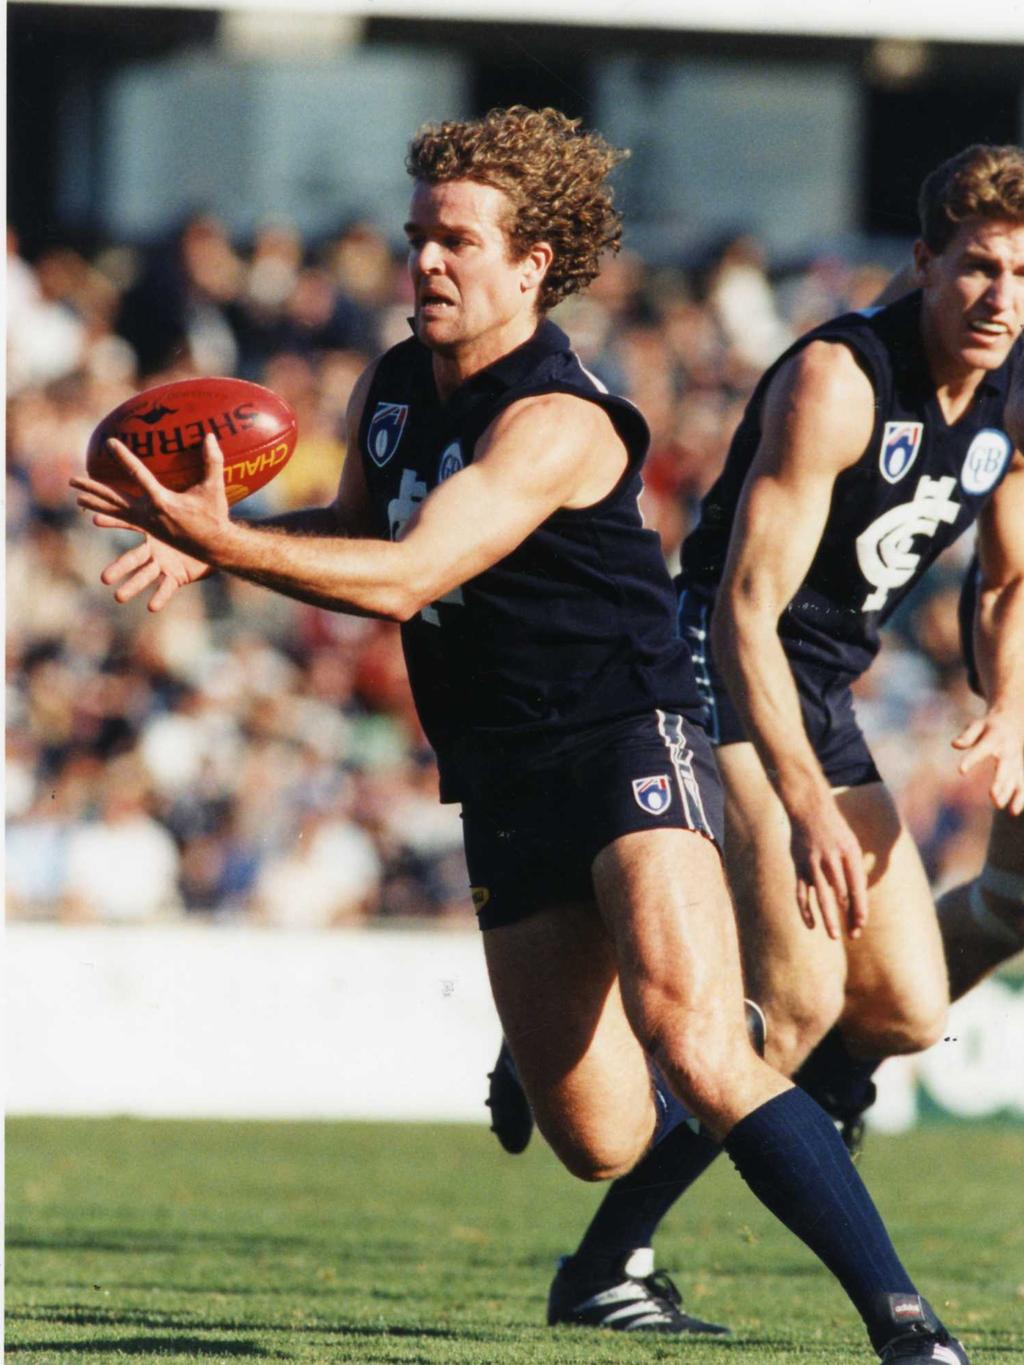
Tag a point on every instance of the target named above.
point(998, 735)
point(538, 455)
point(818, 419)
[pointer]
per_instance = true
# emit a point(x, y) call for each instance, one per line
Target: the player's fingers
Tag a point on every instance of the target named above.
point(979, 752)
point(83, 484)
point(828, 905)
point(131, 587)
point(803, 902)
point(165, 591)
point(113, 523)
point(970, 734)
point(1002, 785)
point(105, 503)
point(857, 885)
point(153, 487)
point(1007, 782)
point(213, 459)
point(127, 563)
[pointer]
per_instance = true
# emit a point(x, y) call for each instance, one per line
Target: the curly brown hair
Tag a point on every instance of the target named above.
point(553, 174)
point(979, 182)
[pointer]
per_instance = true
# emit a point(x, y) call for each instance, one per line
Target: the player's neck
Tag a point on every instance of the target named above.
point(452, 367)
point(955, 394)
point(955, 381)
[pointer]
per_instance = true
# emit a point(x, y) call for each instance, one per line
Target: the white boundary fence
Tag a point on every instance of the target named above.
point(198, 1021)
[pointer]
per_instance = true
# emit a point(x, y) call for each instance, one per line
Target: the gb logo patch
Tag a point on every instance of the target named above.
point(652, 794)
point(385, 431)
point(985, 459)
point(900, 443)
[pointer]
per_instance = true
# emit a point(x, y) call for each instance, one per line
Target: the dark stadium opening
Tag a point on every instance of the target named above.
point(909, 131)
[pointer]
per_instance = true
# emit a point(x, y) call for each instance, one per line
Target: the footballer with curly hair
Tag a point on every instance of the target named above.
point(489, 504)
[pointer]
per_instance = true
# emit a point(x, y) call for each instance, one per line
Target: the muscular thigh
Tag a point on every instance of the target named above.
point(796, 974)
point(555, 984)
point(664, 899)
point(896, 970)
point(888, 986)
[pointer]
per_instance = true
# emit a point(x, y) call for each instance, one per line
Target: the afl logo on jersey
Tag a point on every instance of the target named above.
point(385, 431)
point(900, 443)
point(652, 794)
point(451, 462)
point(985, 461)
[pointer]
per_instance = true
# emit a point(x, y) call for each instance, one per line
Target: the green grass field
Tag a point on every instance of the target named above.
point(424, 1243)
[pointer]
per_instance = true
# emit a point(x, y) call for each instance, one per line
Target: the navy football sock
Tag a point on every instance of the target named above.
point(793, 1159)
point(840, 1083)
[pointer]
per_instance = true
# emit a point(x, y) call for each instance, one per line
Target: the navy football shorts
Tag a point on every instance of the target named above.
point(534, 822)
point(825, 700)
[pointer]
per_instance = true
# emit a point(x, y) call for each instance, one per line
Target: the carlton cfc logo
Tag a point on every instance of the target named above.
point(451, 462)
point(385, 431)
point(900, 443)
point(652, 794)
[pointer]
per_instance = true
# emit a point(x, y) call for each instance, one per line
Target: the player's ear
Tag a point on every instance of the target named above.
point(923, 256)
point(535, 265)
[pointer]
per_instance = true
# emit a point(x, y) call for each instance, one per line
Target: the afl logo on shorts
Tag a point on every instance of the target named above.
point(986, 458)
point(451, 462)
point(900, 443)
point(385, 431)
point(652, 794)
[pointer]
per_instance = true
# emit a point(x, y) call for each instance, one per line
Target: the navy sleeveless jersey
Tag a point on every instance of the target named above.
point(918, 485)
point(577, 624)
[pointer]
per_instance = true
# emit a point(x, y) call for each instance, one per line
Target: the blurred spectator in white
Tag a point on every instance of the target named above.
point(191, 742)
point(743, 302)
point(122, 866)
point(329, 875)
point(45, 340)
point(35, 862)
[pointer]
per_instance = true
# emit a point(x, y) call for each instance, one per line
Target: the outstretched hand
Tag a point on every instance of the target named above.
point(151, 561)
point(193, 519)
point(181, 529)
point(998, 737)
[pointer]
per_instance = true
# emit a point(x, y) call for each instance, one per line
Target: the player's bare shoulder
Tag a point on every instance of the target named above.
point(569, 440)
point(820, 407)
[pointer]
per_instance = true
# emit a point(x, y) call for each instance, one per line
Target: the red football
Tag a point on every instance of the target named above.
point(165, 426)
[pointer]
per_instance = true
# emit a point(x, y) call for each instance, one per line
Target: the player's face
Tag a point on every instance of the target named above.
point(974, 295)
point(472, 301)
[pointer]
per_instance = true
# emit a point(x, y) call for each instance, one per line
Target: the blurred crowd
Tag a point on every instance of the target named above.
point(241, 757)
